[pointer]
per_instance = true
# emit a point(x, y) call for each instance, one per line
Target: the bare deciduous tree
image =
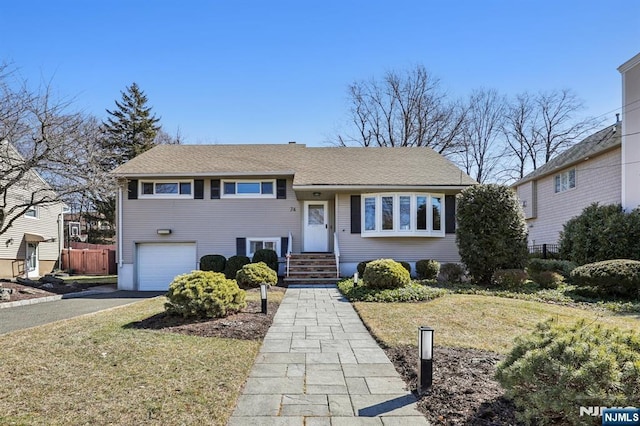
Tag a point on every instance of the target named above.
point(403, 109)
point(40, 138)
point(481, 147)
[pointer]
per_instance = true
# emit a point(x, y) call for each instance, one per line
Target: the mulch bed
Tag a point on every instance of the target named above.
point(248, 324)
point(38, 290)
point(464, 391)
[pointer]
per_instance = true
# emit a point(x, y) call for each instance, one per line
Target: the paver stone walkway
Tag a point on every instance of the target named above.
point(318, 365)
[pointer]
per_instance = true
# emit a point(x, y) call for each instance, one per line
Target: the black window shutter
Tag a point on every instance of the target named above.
point(241, 246)
point(284, 242)
point(215, 189)
point(133, 189)
point(450, 214)
point(198, 189)
point(281, 189)
point(355, 215)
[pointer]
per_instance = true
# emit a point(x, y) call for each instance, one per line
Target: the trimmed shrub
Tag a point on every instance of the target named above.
point(563, 267)
point(427, 269)
point(234, 264)
point(386, 273)
point(548, 279)
point(413, 292)
point(601, 233)
point(361, 267)
point(511, 279)
point(204, 294)
point(213, 262)
point(619, 277)
point(267, 256)
point(452, 272)
point(491, 232)
point(552, 371)
point(405, 265)
point(254, 274)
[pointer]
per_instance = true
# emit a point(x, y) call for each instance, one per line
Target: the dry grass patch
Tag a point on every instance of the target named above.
point(471, 321)
point(96, 370)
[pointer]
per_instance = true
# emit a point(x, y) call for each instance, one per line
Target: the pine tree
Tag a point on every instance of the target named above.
point(131, 128)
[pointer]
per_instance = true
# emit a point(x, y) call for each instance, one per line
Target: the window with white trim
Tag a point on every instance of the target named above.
point(32, 211)
point(255, 244)
point(166, 189)
point(565, 180)
point(403, 215)
point(249, 188)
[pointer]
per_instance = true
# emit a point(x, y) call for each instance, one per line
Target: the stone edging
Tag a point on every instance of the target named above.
point(49, 298)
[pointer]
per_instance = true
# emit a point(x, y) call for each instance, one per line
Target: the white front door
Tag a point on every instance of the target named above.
point(33, 270)
point(316, 226)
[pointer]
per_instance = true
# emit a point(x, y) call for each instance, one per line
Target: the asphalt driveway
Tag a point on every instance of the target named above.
point(21, 317)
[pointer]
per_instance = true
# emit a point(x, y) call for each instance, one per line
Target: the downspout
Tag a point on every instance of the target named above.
point(119, 230)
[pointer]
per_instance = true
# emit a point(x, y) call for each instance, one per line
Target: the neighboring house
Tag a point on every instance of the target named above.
point(586, 173)
point(630, 72)
point(177, 203)
point(78, 227)
point(603, 168)
point(31, 246)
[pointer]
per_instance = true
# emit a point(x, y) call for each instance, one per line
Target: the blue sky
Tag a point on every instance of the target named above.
point(276, 71)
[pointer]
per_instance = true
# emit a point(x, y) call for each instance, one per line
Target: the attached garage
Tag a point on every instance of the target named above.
point(159, 263)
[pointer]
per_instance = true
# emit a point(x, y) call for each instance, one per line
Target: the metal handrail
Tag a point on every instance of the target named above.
point(336, 251)
point(289, 250)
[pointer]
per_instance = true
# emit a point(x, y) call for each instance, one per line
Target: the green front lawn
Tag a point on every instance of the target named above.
point(96, 370)
point(474, 321)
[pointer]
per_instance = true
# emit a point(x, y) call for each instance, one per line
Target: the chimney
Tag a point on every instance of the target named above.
point(617, 119)
point(292, 142)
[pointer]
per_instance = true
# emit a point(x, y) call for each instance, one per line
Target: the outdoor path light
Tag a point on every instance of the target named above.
point(355, 279)
point(263, 297)
point(425, 351)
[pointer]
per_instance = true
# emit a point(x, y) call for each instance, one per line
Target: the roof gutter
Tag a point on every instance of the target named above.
point(379, 187)
point(201, 174)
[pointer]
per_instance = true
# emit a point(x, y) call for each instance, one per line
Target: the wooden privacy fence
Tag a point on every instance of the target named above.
point(89, 262)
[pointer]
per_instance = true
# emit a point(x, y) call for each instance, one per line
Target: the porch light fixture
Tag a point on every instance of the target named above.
point(263, 297)
point(163, 231)
point(355, 279)
point(425, 352)
point(317, 194)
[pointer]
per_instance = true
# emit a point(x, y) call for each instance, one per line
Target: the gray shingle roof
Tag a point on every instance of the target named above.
point(333, 166)
point(593, 145)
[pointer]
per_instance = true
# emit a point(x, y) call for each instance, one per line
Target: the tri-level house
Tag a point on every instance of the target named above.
point(31, 246)
point(177, 203)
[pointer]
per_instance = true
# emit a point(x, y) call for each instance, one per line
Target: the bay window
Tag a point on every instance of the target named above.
point(403, 214)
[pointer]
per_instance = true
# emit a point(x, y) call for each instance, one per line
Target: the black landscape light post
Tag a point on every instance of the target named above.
point(263, 297)
point(425, 351)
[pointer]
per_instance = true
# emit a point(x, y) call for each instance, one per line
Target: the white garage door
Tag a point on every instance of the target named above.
point(158, 264)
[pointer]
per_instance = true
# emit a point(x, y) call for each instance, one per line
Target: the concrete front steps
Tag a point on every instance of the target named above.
point(312, 268)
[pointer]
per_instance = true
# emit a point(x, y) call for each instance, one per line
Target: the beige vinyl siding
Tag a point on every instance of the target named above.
point(354, 248)
point(526, 194)
point(213, 224)
point(12, 243)
point(597, 180)
point(631, 136)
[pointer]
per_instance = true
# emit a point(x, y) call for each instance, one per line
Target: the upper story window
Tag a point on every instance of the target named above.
point(249, 188)
point(166, 189)
point(565, 180)
point(32, 211)
point(401, 214)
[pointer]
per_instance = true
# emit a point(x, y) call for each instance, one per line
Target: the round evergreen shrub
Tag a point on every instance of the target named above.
point(213, 262)
point(618, 277)
point(550, 373)
point(386, 273)
point(254, 274)
point(491, 231)
point(601, 233)
point(405, 265)
point(452, 272)
point(548, 279)
point(427, 269)
point(267, 256)
point(204, 294)
point(361, 266)
point(562, 267)
point(234, 264)
point(510, 279)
